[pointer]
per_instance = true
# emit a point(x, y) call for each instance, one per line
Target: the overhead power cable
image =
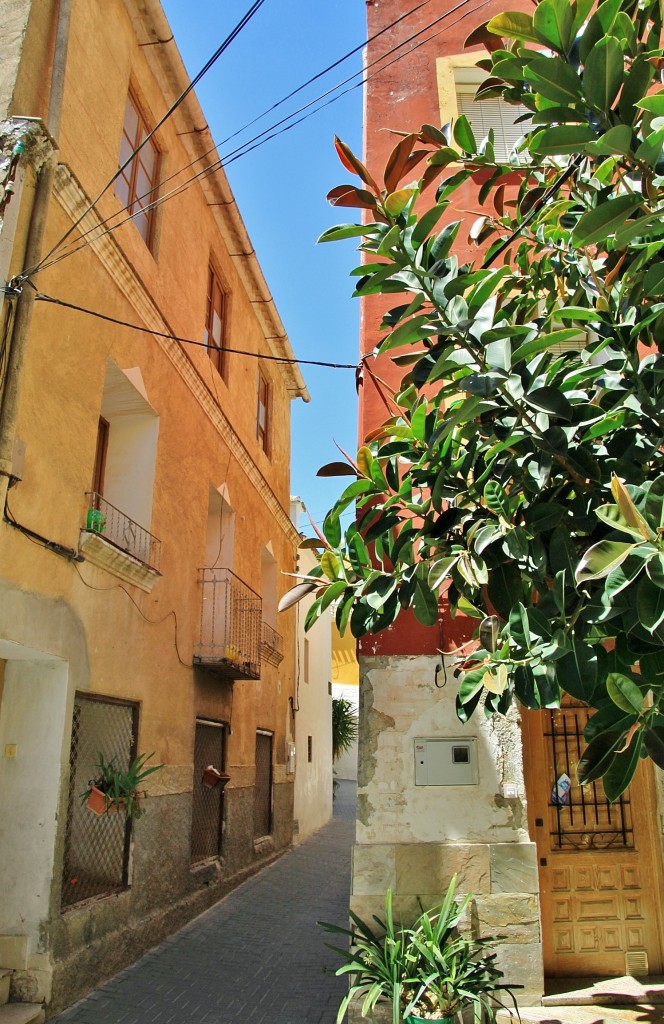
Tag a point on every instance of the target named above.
point(265, 136)
point(213, 59)
point(41, 297)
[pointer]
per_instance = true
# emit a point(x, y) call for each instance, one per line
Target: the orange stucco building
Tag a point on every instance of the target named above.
point(144, 483)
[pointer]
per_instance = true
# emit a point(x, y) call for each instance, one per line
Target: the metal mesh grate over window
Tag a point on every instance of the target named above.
point(96, 857)
point(263, 786)
point(208, 803)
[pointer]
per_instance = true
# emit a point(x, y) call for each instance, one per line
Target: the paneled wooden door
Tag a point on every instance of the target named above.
point(600, 865)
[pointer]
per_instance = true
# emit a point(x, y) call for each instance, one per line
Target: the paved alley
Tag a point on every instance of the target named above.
point(257, 957)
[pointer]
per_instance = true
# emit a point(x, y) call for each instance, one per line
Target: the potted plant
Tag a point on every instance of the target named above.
point(114, 790)
point(430, 971)
point(213, 777)
point(96, 521)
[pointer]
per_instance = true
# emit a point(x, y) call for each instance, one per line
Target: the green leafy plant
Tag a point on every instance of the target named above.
point(520, 472)
point(430, 971)
point(344, 726)
point(121, 788)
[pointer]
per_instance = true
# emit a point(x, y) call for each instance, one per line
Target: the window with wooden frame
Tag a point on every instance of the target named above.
point(214, 338)
point(263, 413)
point(100, 456)
point(136, 186)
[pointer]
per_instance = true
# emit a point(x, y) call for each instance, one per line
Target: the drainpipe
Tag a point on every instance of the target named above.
point(26, 299)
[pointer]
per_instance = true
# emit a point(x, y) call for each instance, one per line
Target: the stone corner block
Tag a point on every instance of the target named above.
point(514, 867)
point(374, 869)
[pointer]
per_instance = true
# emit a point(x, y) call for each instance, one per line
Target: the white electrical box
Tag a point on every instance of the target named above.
point(446, 761)
point(290, 759)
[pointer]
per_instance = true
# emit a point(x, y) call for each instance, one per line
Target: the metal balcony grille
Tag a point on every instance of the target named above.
point(96, 857)
point(263, 786)
point(230, 636)
point(207, 811)
point(272, 645)
point(118, 529)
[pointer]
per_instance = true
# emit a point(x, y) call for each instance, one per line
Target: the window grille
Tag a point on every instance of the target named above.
point(263, 786)
point(580, 817)
point(208, 803)
point(96, 860)
point(263, 413)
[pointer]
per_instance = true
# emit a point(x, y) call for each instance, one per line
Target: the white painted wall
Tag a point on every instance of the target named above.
point(32, 719)
point(345, 767)
point(313, 718)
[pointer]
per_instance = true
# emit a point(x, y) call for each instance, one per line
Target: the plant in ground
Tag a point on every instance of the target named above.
point(431, 970)
point(344, 726)
point(521, 468)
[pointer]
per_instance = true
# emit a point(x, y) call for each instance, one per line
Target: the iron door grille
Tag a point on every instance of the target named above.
point(580, 817)
point(208, 804)
point(96, 858)
point(263, 786)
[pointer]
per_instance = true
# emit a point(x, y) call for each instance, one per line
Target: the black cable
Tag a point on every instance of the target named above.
point(257, 140)
point(213, 59)
point(40, 297)
point(71, 554)
point(234, 135)
point(553, 188)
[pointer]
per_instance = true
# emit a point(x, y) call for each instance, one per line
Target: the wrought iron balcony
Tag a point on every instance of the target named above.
point(118, 529)
point(230, 636)
point(272, 645)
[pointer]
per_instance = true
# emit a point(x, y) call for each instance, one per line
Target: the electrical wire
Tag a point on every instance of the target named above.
point(235, 134)
point(153, 622)
point(254, 143)
point(180, 99)
point(40, 297)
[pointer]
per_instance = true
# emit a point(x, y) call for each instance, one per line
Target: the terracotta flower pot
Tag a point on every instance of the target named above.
point(96, 803)
point(213, 777)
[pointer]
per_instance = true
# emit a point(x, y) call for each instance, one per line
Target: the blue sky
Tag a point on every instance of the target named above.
point(280, 188)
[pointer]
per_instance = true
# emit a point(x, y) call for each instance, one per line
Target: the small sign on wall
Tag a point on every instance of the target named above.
point(446, 761)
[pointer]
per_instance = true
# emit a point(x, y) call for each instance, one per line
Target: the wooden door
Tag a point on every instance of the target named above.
point(600, 868)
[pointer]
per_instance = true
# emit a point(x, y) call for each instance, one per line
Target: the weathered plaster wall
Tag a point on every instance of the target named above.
point(412, 839)
point(106, 636)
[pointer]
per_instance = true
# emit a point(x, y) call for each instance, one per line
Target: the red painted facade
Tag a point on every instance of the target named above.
point(401, 94)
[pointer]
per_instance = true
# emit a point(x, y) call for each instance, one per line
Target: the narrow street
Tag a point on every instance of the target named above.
point(258, 956)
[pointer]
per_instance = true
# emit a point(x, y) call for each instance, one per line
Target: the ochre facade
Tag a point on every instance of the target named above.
point(146, 509)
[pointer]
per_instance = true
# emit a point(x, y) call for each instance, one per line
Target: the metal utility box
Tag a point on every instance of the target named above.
point(446, 761)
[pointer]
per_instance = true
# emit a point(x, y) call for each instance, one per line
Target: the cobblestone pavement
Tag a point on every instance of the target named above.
point(257, 957)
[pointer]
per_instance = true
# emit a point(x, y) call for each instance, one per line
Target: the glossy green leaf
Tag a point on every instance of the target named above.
point(621, 771)
point(601, 558)
point(514, 25)
point(604, 220)
point(552, 22)
point(650, 605)
point(603, 73)
point(579, 670)
point(598, 756)
point(624, 692)
point(561, 139)
point(554, 78)
point(463, 135)
point(425, 601)
point(653, 740)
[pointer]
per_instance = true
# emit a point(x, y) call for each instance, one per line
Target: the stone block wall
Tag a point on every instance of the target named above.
point(414, 839)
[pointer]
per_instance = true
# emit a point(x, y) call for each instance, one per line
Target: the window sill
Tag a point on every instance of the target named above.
point(120, 563)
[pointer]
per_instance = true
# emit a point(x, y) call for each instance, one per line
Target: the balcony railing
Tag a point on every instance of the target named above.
point(230, 637)
point(272, 645)
point(121, 531)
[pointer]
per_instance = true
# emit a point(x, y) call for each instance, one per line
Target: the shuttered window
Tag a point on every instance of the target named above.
point(493, 113)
